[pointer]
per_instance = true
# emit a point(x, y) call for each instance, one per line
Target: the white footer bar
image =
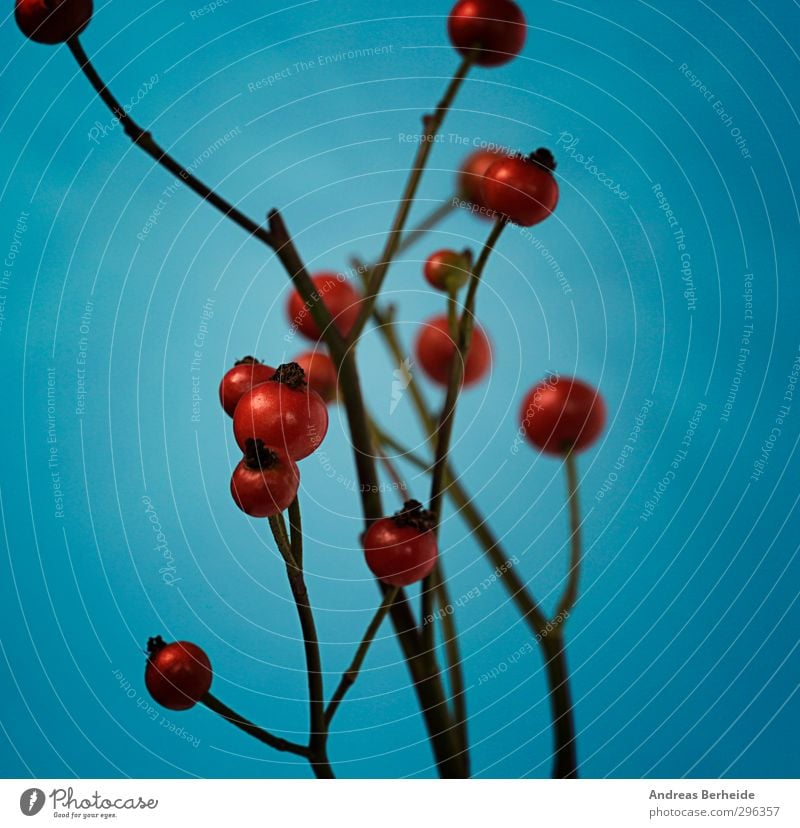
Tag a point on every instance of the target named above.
point(401, 804)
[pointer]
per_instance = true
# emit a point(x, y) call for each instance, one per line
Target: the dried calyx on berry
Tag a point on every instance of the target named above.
point(258, 457)
point(291, 375)
point(415, 515)
point(154, 645)
point(248, 360)
point(543, 158)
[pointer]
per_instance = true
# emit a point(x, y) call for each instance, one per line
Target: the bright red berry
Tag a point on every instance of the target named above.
point(470, 178)
point(52, 21)
point(562, 414)
point(402, 550)
point(242, 377)
point(283, 413)
point(177, 675)
point(339, 297)
point(435, 350)
point(264, 484)
point(321, 374)
point(448, 270)
point(496, 28)
point(522, 188)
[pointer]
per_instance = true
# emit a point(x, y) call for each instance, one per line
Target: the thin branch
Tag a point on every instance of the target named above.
point(466, 325)
point(350, 675)
point(432, 124)
point(565, 759)
point(455, 670)
point(213, 703)
point(318, 730)
point(434, 218)
point(570, 595)
point(465, 506)
point(296, 532)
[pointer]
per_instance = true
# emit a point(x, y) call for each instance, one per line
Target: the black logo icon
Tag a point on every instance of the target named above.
point(31, 801)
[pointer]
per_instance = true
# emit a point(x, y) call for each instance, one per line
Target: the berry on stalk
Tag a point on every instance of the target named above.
point(402, 549)
point(178, 674)
point(522, 188)
point(341, 299)
point(284, 413)
point(264, 484)
point(436, 350)
point(470, 179)
point(494, 30)
point(448, 270)
point(321, 374)
point(562, 414)
point(52, 21)
point(246, 373)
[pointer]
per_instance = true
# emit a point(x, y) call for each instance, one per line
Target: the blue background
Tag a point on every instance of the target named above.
point(683, 645)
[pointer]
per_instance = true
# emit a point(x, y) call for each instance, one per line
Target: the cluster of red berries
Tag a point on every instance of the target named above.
point(280, 415)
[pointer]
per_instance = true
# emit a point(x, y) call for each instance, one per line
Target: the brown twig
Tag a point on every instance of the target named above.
point(432, 124)
point(275, 742)
point(350, 675)
point(318, 732)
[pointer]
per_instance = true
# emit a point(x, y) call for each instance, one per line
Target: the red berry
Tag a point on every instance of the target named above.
point(339, 297)
point(495, 27)
point(470, 178)
point(264, 484)
point(523, 189)
point(435, 350)
point(562, 414)
point(321, 374)
point(284, 414)
point(242, 377)
point(52, 21)
point(177, 675)
point(447, 270)
point(402, 550)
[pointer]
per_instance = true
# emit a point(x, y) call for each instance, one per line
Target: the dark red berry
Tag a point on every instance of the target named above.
point(264, 484)
point(241, 378)
point(435, 350)
point(523, 189)
point(52, 21)
point(340, 298)
point(470, 178)
point(402, 550)
point(177, 675)
point(562, 414)
point(448, 270)
point(495, 28)
point(283, 413)
point(321, 374)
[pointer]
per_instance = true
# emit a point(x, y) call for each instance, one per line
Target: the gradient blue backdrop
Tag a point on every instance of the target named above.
point(683, 645)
